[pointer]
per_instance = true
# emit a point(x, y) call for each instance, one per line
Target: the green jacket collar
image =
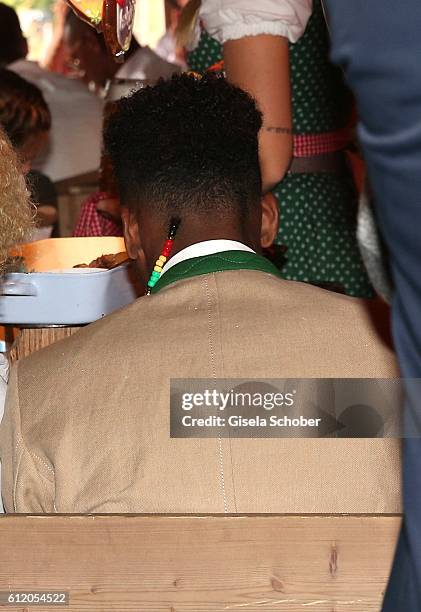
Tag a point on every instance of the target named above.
point(218, 262)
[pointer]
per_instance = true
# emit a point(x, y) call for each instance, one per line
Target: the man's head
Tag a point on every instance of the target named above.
point(88, 52)
point(13, 45)
point(24, 115)
point(187, 147)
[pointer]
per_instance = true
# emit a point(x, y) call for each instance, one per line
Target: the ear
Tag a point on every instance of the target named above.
point(133, 243)
point(131, 233)
point(270, 220)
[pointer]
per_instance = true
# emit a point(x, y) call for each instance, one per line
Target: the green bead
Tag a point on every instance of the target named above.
point(156, 275)
point(151, 284)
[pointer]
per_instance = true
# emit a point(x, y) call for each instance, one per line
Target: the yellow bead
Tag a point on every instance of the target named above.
point(157, 269)
point(162, 259)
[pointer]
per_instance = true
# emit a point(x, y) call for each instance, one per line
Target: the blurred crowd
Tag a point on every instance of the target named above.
point(53, 115)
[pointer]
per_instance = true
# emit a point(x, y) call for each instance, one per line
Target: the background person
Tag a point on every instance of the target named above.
point(26, 119)
point(167, 47)
point(96, 65)
point(388, 91)
point(75, 142)
point(16, 211)
point(278, 50)
point(13, 44)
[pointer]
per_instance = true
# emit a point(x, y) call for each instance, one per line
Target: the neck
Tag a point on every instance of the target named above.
point(181, 242)
point(187, 236)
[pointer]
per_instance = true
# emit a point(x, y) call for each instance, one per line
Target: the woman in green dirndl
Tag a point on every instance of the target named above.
point(317, 196)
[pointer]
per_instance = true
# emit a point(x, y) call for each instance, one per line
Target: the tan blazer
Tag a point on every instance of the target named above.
point(87, 420)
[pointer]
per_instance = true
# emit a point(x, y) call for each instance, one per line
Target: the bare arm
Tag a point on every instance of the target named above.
point(260, 65)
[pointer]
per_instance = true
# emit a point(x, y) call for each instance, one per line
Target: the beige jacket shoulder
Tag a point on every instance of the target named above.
point(86, 427)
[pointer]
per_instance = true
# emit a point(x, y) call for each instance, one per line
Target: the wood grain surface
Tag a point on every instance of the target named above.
point(201, 564)
point(33, 339)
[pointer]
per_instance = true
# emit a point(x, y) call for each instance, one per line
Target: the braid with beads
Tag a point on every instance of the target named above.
point(166, 253)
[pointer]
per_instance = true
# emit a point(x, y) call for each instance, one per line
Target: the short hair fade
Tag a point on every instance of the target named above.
point(187, 144)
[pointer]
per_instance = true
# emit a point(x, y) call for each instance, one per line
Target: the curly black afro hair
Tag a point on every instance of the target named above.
point(187, 144)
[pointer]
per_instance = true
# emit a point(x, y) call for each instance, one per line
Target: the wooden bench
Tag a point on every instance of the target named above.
point(200, 563)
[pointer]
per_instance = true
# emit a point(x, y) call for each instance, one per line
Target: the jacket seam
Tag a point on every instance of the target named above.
point(20, 444)
point(211, 342)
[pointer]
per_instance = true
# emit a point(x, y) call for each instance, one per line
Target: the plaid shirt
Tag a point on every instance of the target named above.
point(93, 223)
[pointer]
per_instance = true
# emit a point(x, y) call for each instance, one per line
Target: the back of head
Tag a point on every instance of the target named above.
point(187, 145)
point(23, 110)
point(13, 45)
point(15, 210)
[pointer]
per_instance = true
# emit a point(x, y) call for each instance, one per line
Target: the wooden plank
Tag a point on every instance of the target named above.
point(90, 179)
point(33, 339)
point(201, 564)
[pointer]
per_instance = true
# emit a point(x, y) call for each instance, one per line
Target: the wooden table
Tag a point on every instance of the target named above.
point(201, 563)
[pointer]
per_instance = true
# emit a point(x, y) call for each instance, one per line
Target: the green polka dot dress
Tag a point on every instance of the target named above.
point(318, 211)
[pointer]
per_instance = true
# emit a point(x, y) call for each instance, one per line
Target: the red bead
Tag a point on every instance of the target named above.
point(168, 243)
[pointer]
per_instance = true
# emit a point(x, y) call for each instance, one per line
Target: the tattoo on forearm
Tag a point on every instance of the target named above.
point(278, 130)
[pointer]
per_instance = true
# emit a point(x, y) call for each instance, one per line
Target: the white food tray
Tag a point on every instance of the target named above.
point(57, 294)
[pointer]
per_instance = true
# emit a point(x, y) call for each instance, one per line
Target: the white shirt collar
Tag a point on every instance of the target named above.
point(208, 247)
